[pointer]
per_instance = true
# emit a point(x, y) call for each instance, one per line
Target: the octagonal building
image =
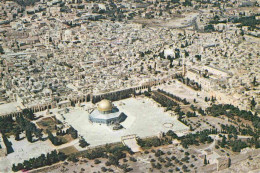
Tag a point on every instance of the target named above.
point(106, 113)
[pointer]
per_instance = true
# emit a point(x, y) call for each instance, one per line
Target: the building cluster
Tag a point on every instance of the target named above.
point(55, 50)
point(226, 67)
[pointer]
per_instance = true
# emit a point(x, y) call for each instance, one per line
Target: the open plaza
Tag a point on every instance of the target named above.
point(183, 91)
point(24, 150)
point(142, 114)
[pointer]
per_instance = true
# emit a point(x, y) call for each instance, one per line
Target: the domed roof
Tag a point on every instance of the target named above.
point(104, 105)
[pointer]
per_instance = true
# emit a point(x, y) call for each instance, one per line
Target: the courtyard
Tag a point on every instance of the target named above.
point(24, 150)
point(144, 118)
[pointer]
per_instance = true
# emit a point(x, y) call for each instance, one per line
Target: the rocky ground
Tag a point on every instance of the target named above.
point(251, 165)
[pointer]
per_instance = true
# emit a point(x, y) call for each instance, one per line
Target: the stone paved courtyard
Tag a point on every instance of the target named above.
point(144, 118)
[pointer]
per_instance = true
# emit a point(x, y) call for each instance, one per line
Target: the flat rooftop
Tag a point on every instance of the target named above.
point(8, 108)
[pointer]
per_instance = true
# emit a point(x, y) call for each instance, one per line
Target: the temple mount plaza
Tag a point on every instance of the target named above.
point(139, 116)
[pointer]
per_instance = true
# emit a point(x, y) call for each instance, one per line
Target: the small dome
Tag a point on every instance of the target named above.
point(104, 105)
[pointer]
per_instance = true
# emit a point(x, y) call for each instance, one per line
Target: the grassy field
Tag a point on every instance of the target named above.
point(47, 123)
point(68, 150)
point(66, 138)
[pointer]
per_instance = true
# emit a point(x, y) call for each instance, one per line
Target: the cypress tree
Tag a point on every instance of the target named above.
point(229, 162)
point(254, 81)
point(205, 160)
point(28, 134)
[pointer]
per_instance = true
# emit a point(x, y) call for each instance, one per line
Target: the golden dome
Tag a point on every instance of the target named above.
point(104, 105)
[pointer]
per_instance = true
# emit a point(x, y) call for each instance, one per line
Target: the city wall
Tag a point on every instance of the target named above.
point(223, 162)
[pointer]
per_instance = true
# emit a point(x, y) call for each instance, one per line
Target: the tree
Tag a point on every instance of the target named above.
point(188, 81)
point(132, 159)
point(73, 158)
point(17, 136)
point(40, 161)
point(55, 141)
point(253, 103)
point(147, 94)
point(187, 3)
point(19, 166)
point(26, 2)
point(177, 109)
point(223, 142)
point(72, 132)
point(198, 57)
point(1, 49)
point(28, 134)
point(205, 160)
point(113, 160)
point(159, 166)
point(175, 1)
point(38, 134)
point(103, 169)
point(213, 99)
point(17, 132)
point(201, 111)
point(193, 107)
point(172, 134)
point(83, 143)
point(14, 168)
point(125, 167)
point(61, 156)
point(209, 27)
point(28, 114)
point(254, 81)
point(96, 161)
point(229, 162)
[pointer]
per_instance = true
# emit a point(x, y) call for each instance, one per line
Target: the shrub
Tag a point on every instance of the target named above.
point(97, 161)
point(146, 152)
point(104, 169)
point(133, 159)
point(173, 157)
